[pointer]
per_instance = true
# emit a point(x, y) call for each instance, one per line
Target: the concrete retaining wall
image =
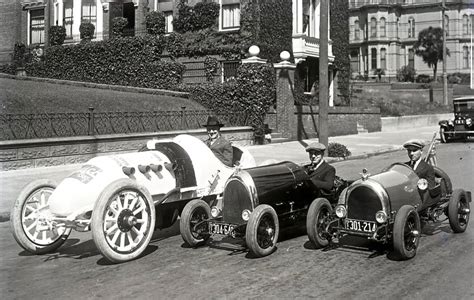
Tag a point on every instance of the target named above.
point(34, 153)
point(395, 123)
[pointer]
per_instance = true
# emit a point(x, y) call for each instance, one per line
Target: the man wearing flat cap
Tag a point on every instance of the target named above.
point(424, 170)
point(321, 173)
point(221, 147)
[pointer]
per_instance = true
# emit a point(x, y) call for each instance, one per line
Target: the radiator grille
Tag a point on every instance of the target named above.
point(363, 203)
point(236, 199)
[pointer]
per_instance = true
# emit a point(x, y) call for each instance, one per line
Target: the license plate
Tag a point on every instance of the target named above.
point(360, 226)
point(220, 228)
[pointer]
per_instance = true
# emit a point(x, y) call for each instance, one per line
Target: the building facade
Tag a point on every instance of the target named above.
point(382, 35)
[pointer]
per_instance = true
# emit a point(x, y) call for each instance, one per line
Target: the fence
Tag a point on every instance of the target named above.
point(31, 126)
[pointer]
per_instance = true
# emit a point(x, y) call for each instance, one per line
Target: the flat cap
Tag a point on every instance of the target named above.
point(414, 143)
point(315, 146)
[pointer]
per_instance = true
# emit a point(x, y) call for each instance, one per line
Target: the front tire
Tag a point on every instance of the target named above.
point(193, 213)
point(458, 211)
point(316, 220)
point(262, 231)
point(123, 220)
point(406, 232)
point(31, 212)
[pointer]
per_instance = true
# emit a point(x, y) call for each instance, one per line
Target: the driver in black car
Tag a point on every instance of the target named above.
point(321, 173)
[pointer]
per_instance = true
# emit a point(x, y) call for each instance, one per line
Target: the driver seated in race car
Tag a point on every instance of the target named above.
point(221, 147)
point(321, 173)
point(421, 168)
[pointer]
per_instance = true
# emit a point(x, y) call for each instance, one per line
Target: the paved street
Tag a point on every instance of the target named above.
point(442, 268)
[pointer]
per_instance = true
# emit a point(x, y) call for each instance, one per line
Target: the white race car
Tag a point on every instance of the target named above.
point(122, 198)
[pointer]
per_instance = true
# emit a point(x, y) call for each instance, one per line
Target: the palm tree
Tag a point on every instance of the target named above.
point(430, 47)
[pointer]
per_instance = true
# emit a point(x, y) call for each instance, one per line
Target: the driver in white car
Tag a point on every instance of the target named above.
point(221, 147)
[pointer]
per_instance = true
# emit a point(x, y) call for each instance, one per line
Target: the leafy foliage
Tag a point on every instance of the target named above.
point(19, 54)
point(87, 30)
point(202, 16)
point(338, 150)
point(118, 25)
point(174, 45)
point(132, 61)
point(406, 74)
point(211, 65)
point(430, 47)
point(155, 22)
point(57, 35)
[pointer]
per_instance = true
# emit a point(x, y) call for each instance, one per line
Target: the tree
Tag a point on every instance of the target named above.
point(430, 47)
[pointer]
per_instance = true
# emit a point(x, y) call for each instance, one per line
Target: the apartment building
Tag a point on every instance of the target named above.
point(382, 34)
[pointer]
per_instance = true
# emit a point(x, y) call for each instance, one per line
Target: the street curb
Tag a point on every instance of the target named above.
point(5, 216)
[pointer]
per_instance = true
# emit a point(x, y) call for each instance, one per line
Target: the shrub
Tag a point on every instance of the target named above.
point(454, 79)
point(87, 31)
point(174, 45)
point(118, 25)
point(422, 78)
point(338, 150)
point(155, 22)
point(203, 15)
point(57, 35)
point(406, 74)
point(211, 65)
point(19, 54)
point(8, 69)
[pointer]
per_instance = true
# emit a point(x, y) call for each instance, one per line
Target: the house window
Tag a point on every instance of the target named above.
point(411, 28)
point(411, 58)
point(230, 15)
point(68, 18)
point(383, 29)
point(89, 12)
point(356, 30)
point(373, 27)
point(383, 59)
point(465, 57)
point(373, 60)
point(37, 26)
point(229, 70)
point(354, 61)
point(168, 21)
point(446, 25)
point(465, 25)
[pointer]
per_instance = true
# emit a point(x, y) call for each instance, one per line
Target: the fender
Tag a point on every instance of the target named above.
point(444, 123)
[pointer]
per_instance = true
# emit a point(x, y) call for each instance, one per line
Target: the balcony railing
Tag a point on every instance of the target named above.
point(304, 46)
point(361, 3)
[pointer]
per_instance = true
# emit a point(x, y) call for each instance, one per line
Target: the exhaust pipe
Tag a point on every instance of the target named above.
point(128, 170)
point(156, 168)
point(144, 169)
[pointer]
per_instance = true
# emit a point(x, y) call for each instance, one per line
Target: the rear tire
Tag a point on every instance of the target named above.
point(406, 232)
point(262, 231)
point(318, 214)
point(193, 213)
point(458, 211)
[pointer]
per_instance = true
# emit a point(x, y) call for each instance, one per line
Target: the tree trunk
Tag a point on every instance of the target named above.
point(435, 69)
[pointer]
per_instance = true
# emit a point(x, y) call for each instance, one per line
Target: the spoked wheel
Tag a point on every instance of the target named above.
point(31, 222)
point(262, 231)
point(442, 135)
point(316, 221)
point(406, 232)
point(123, 220)
point(458, 211)
point(191, 226)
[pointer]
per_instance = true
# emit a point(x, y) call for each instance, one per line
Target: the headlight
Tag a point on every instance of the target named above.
point(215, 211)
point(422, 184)
point(341, 211)
point(468, 121)
point(381, 217)
point(246, 214)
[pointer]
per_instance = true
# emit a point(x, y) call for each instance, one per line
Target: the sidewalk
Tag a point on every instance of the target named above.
point(360, 145)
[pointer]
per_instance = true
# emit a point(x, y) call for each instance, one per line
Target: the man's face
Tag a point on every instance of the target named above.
point(213, 132)
point(414, 153)
point(315, 156)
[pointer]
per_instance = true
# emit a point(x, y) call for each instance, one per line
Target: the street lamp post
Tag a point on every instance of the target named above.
point(323, 133)
point(445, 75)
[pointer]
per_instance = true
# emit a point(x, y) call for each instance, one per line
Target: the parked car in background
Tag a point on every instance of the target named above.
point(462, 126)
point(387, 207)
point(122, 198)
point(256, 204)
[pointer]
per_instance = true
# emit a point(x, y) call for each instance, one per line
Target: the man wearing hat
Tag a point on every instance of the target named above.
point(321, 173)
point(424, 170)
point(221, 147)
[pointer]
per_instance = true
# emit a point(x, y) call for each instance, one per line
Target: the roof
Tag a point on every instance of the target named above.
point(464, 98)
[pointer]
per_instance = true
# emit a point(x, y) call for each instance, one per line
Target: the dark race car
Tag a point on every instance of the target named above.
point(462, 126)
point(256, 203)
point(387, 207)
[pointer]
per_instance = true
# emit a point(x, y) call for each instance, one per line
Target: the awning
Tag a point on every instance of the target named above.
point(29, 4)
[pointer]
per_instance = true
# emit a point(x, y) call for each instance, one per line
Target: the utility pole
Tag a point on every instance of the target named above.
point(323, 74)
point(445, 75)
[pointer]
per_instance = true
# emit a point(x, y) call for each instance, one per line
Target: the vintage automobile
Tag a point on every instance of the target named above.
point(462, 126)
point(387, 208)
point(256, 203)
point(121, 198)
